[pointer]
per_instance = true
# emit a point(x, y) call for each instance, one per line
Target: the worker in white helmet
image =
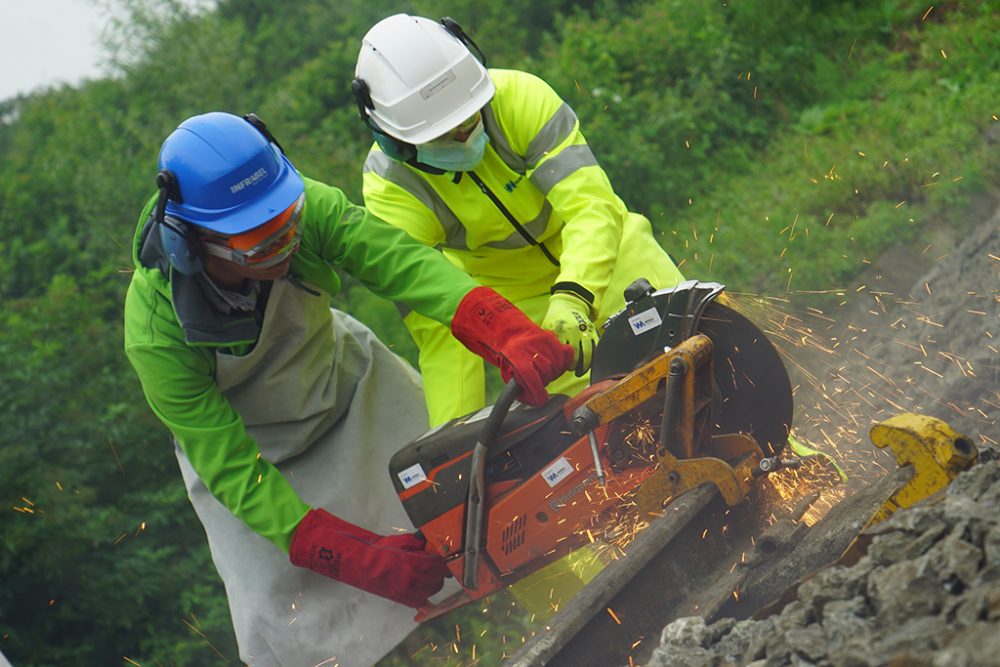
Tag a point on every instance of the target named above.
point(490, 166)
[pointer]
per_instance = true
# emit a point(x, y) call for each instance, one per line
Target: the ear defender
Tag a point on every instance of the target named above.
point(391, 146)
point(176, 237)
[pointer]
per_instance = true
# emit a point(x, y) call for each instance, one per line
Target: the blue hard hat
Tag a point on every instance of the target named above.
point(230, 177)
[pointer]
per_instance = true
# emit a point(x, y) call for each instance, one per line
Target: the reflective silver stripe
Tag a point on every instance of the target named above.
point(556, 130)
point(382, 165)
point(562, 165)
point(535, 228)
point(498, 140)
point(560, 126)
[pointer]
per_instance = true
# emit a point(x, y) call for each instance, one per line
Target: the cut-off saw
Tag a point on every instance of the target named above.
point(684, 391)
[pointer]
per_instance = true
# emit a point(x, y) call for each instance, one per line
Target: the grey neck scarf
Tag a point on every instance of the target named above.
point(228, 300)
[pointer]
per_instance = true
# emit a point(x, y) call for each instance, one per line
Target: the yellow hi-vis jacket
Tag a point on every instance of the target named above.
point(536, 213)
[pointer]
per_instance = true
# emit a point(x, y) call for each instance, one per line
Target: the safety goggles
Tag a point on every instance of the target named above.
point(263, 246)
point(459, 133)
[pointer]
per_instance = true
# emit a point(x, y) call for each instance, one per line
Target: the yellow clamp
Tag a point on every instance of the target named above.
point(730, 471)
point(936, 452)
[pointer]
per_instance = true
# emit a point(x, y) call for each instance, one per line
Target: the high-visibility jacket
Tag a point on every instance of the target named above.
point(538, 213)
point(539, 167)
point(172, 334)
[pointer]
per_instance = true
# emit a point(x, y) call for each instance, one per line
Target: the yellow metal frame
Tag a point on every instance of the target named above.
point(732, 477)
point(688, 371)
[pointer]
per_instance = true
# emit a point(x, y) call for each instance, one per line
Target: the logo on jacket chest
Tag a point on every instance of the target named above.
point(509, 186)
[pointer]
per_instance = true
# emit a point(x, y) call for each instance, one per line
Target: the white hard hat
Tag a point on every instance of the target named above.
point(422, 79)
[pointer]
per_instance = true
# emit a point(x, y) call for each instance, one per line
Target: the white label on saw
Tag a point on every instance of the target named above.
point(645, 321)
point(412, 476)
point(557, 472)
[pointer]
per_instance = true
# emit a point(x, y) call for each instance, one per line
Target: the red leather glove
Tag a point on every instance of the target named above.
point(391, 566)
point(493, 327)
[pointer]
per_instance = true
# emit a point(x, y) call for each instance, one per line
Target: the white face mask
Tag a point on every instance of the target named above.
point(455, 155)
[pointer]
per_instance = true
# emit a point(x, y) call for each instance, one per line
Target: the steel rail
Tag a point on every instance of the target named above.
point(596, 595)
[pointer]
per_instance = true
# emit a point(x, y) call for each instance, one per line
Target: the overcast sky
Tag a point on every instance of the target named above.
point(43, 42)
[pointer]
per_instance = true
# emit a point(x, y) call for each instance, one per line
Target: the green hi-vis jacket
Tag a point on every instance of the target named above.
point(539, 167)
point(172, 334)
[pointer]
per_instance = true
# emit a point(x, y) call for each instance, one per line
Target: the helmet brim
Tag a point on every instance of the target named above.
point(424, 131)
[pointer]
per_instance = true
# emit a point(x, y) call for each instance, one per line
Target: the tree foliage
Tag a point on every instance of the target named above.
point(774, 146)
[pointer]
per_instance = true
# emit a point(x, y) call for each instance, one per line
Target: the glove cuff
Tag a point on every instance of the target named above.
point(576, 289)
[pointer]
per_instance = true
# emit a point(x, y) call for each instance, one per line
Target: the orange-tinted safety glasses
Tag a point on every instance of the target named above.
point(263, 246)
point(459, 133)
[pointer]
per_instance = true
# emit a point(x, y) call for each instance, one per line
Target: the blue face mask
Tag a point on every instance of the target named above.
point(455, 155)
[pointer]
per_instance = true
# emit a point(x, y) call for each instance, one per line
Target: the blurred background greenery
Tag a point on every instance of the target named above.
point(777, 147)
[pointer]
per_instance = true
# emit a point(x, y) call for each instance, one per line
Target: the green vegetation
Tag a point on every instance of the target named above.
point(776, 146)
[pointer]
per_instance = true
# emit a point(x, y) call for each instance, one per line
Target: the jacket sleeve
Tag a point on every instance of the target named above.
point(179, 385)
point(561, 165)
point(385, 259)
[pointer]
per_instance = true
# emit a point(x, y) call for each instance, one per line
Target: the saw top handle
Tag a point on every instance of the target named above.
point(475, 506)
point(499, 412)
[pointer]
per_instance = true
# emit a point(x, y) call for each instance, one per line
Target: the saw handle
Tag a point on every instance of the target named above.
point(475, 532)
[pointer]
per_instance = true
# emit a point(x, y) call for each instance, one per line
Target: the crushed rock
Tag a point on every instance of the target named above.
point(927, 593)
point(939, 607)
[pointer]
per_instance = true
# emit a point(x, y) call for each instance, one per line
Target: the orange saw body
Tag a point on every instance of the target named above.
point(684, 391)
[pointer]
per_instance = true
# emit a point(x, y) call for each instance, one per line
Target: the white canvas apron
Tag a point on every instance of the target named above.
point(328, 404)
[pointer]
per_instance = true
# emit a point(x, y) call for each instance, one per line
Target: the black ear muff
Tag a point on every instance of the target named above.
point(391, 146)
point(180, 243)
point(362, 97)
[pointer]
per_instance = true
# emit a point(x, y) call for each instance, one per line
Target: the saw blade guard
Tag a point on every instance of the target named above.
point(752, 392)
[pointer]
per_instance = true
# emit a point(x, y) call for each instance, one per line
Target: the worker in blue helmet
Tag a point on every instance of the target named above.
point(277, 404)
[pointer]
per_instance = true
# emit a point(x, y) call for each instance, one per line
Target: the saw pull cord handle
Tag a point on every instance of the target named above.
point(475, 533)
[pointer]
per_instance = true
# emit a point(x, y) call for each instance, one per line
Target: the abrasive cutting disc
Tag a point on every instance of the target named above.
point(752, 392)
